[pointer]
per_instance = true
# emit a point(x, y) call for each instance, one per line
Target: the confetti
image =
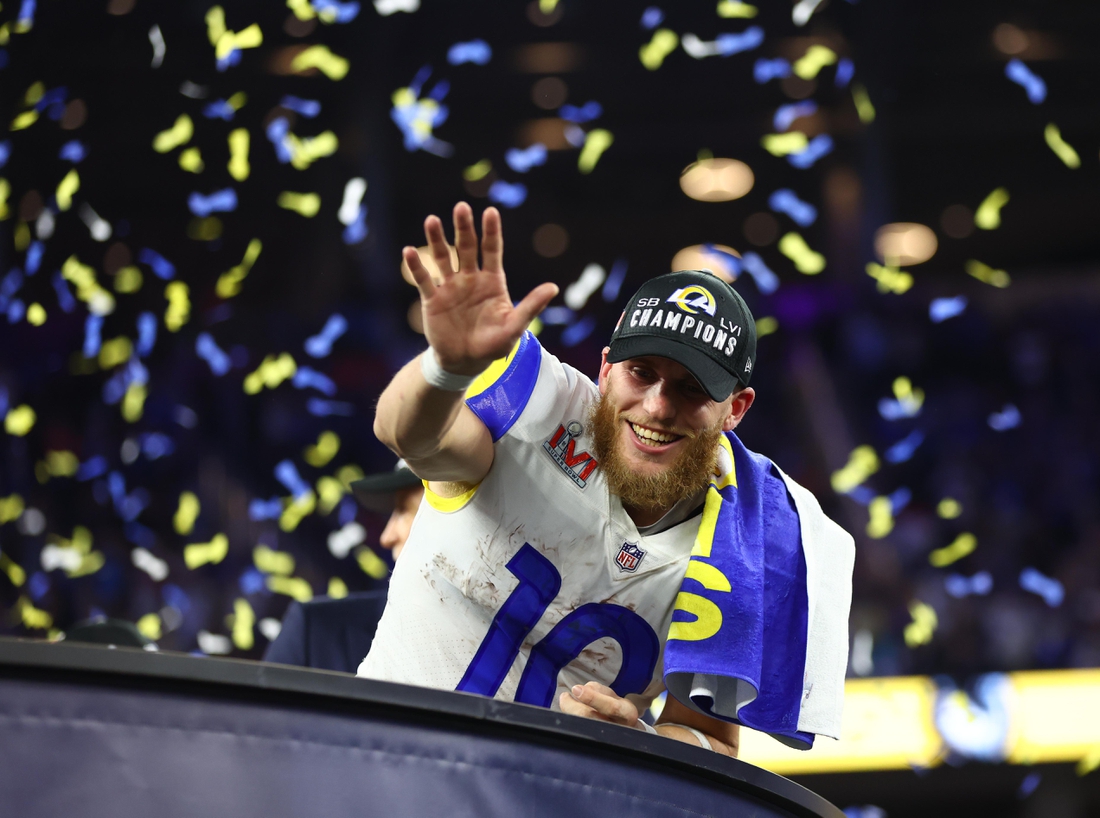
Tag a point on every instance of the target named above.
point(920, 630)
point(821, 145)
point(1029, 785)
point(948, 508)
point(960, 586)
point(785, 115)
point(881, 520)
point(596, 142)
point(960, 547)
point(809, 65)
point(242, 621)
point(1020, 74)
point(294, 587)
point(304, 151)
point(372, 564)
point(1062, 149)
point(229, 282)
point(270, 628)
point(213, 552)
point(890, 279)
point(238, 157)
point(156, 568)
point(764, 70)
point(31, 616)
point(331, 491)
point(786, 201)
point(903, 450)
point(271, 372)
point(1089, 762)
point(287, 474)
point(65, 190)
point(156, 39)
point(507, 194)
point(11, 508)
point(724, 45)
point(36, 315)
point(326, 448)
point(862, 463)
point(614, 281)
point(652, 17)
point(306, 378)
point(272, 562)
point(353, 198)
point(337, 588)
point(940, 309)
point(986, 274)
point(333, 11)
point(734, 9)
point(1050, 589)
point(228, 44)
point(585, 113)
point(324, 408)
point(845, 70)
point(209, 351)
point(1007, 418)
point(388, 7)
point(191, 160)
point(320, 345)
point(179, 305)
point(304, 204)
point(220, 201)
point(14, 572)
point(766, 326)
point(477, 171)
point(662, 44)
point(475, 51)
point(988, 214)
point(179, 134)
point(213, 643)
point(782, 144)
point(341, 541)
point(309, 108)
point(72, 151)
point(806, 261)
point(591, 279)
point(522, 161)
point(331, 65)
point(906, 403)
point(19, 420)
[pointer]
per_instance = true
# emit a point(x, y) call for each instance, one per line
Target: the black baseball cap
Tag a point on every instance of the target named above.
point(696, 319)
point(375, 491)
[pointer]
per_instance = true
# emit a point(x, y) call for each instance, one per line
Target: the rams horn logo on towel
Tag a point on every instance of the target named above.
point(694, 298)
point(630, 556)
point(562, 446)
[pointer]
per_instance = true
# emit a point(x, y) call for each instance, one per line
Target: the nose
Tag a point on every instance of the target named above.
point(658, 401)
point(390, 536)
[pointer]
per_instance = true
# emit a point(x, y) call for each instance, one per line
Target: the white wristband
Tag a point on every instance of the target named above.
point(649, 728)
point(438, 377)
point(704, 742)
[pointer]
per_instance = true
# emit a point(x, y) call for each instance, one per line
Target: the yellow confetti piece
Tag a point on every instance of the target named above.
point(331, 65)
point(881, 522)
point(330, 491)
point(864, 109)
point(237, 100)
point(735, 10)
point(24, 120)
point(65, 190)
point(806, 261)
point(114, 352)
point(186, 513)
point(295, 587)
point(88, 290)
point(13, 570)
point(191, 160)
point(477, 171)
point(215, 24)
point(595, 143)
point(912, 399)
point(179, 305)
point(862, 463)
point(238, 154)
point(19, 420)
point(203, 553)
point(271, 372)
point(297, 510)
point(890, 279)
point(328, 444)
point(89, 564)
point(305, 204)
point(302, 9)
point(349, 474)
point(920, 630)
point(10, 508)
point(766, 326)
point(206, 229)
point(986, 274)
point(962, 546)
point(179, 134)
point(62, 463)
point(949, 508)
point(337, 588)
point(231, 41)
point(133, 402)
point(34, 93)
point(244, 620)
point(988, 214)
point(273, 562)
point(548, 6)
point(36, 314)
point(5, 33)
point(372, 564)
point(31, 616)
point(22, 237)
point(150, 626)
point(5, 192)
point(809, 65)
point(1089, 762)
point(782, 144)
point(128, 280)
point(304, 151)
point(1062, 149)
point(229, 282)
point(653, 53)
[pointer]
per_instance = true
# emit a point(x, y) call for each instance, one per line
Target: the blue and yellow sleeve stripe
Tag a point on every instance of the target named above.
point(500, 393)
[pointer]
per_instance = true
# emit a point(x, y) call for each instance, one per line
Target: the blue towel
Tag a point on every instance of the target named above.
point(759, 635)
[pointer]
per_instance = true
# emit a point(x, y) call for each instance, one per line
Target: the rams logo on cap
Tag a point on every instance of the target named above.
point(692, 299)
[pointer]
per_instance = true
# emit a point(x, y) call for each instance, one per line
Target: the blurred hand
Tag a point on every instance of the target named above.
point(595, 701)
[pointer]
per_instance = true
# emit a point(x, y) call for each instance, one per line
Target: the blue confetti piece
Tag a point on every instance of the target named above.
point(34, 257)
point(901, 451)
point(26, 14)
point(1050, 589)
point(320, 345)
point(614, 281)
point(821, 145)
point(93, 327)
point(575, 135)
point(220, 201)
point(419, 79)
point(16, 310)
point(219, 109)
point(522, 161)
point(1023, 76)
point(506, 194)
point(252, 582)
point(731, 264)
point(287, 474)
point(38, 585)
point(207, 349)
point(11, 283)
point(5, 152)
point(652, 17)
point(845, 70)
point(65, 298)
point(306, 378)
point(899, 499)
point(586, 113)
point(785, 115)
point(557, 316)
point(162, 267)
point(357, 230)
point(943, 308)
point(4, 400)
point(176, 597)
point(54, 96)
point(441, 89)
point(960, 586)
point(92, 468)
point(347, 511)
point(1007, 418)
point(229, 60)
point(73, 151)
point(766, 280)
point(764, 70)
point(475, 51)
point(276, 132)
point(309, 108)
point(320, 408)
point(340, 12)
point(265, 509)
point(575, 333)
point(747, 40)
point(1028, 785)
point(786, 201)
point(862, 495)
point(139, 535)
point(147, 333)
point(156, 445)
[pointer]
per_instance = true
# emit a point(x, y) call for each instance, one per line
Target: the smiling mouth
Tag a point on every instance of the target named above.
point(651, 437)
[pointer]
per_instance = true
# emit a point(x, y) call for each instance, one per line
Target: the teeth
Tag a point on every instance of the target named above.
point(650, 437)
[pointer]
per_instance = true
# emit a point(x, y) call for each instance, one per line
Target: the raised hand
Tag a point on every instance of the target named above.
point(469, 319)
point(596, 701)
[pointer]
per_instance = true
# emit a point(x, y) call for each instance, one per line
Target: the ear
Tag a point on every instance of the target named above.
point(605, 371)
point(739, 405)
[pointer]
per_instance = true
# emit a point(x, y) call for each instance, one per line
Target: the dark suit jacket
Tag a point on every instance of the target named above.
point(330, 634)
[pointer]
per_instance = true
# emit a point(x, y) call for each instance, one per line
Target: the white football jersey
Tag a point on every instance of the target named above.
point(537, 579)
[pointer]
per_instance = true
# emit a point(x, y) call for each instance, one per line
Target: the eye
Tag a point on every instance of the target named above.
point(693, 389)
point(641, 373)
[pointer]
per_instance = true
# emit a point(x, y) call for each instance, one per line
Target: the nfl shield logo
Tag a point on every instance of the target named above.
point(630, 556)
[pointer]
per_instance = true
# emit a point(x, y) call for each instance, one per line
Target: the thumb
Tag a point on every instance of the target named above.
point(534, 303)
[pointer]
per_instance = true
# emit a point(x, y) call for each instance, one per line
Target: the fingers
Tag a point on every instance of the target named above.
point(492, 241)
point(533, 304)
point(420, 274)
point(437, 243)
point(601, 702)
point(465, 238)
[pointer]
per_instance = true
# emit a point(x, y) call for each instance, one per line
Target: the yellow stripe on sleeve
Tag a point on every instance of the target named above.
point(448, 505)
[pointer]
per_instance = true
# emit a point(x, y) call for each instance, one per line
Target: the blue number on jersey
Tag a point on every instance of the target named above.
point(539, 583)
